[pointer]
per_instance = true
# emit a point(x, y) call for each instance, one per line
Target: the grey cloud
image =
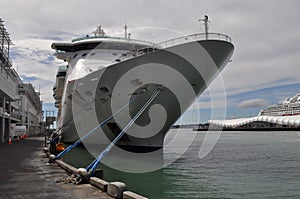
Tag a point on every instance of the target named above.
point(265, 33)
point(253, 103)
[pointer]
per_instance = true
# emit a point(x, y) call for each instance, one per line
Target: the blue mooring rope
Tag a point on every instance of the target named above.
point(69, 148)
point(69, 122)
point(92, 167)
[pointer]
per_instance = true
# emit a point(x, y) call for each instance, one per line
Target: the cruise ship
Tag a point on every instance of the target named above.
point(283, 116)
point(289, 107)
point(103, 73)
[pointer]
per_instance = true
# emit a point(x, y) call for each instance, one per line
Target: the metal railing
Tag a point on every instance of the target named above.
point(109, 37)
point(174, 42)
point(193, 37)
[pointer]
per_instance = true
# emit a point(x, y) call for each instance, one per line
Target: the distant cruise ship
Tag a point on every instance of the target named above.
point(289, 107)
point(282, 116)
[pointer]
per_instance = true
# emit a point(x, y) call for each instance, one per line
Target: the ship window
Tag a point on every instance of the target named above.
point(75, 56)
point(83, 55)
point(92, 54)
point(117, 60)
point(115, 54)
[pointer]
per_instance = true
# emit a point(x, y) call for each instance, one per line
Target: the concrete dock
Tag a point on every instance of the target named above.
point(24, 173)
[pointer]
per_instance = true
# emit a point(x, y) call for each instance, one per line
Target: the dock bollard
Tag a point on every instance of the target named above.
point(131, 195)
point(45, 149)
point(101, 184)
point(116, 189)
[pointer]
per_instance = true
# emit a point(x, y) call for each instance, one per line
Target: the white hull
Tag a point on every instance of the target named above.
point(92, 98)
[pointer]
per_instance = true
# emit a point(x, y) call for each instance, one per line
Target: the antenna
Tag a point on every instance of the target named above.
point(125, 29)
point(206, 24)
point(99, 31)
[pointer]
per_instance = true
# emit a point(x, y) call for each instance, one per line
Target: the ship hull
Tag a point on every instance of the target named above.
point(183, 72)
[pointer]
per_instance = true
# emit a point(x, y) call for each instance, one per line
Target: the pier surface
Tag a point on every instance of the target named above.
point(24, 173)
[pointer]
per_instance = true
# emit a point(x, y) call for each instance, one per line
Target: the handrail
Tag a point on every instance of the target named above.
point(109, 37)
point(194, 37)
point(173, 42)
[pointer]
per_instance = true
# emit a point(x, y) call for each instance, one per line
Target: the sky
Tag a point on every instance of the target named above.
point(264, 68)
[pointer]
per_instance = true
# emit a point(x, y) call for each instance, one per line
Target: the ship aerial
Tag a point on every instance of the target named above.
point(103, 73)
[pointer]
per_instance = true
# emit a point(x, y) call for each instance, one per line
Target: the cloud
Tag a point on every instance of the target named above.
point(253, 103)
point(42, 85)
point(34, 61)
point(266, 43)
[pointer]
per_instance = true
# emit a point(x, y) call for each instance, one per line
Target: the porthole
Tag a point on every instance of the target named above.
point(84, 54)
point(75, 56)
point(92, 54)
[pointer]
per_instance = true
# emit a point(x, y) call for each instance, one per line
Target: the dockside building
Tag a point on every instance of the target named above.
point(19, 103)
point(30, 106)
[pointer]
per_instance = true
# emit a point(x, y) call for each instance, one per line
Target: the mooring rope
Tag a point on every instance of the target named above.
point(92, 167)
point(69, 148)
point(79, 117)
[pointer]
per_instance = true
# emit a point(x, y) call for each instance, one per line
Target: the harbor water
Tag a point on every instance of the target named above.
point(241, 165)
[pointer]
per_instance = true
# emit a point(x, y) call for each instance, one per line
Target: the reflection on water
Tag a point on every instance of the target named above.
point(242, 165)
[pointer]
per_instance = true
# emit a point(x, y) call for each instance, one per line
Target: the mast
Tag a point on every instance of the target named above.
point(206, 25)
point(125, 29)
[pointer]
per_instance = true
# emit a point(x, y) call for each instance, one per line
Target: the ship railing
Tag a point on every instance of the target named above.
point(193, 37)
point(171, 42)
point(109, 37)
point(136, 53)
point(174, 42)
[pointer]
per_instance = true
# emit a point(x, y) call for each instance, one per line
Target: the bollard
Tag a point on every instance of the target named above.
point(116, 189)
point(131, 195)
point(101, 184)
